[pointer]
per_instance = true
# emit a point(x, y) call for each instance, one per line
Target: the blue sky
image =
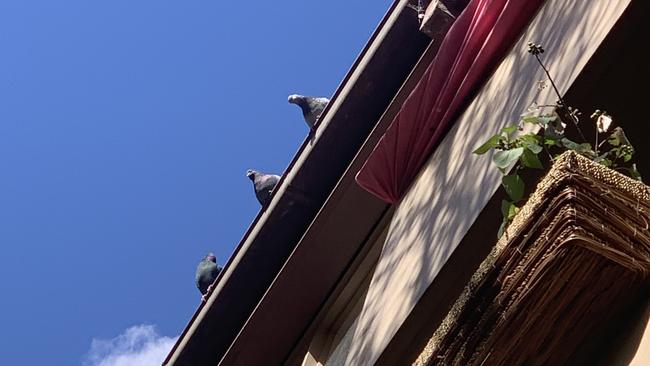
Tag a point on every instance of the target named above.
point(126, 128)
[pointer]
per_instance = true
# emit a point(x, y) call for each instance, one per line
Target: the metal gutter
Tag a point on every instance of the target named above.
point(357, 104)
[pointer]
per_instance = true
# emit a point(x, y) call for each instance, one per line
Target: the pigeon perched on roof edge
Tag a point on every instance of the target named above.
point(263, 184)
point(312, 107)
point(206, 272)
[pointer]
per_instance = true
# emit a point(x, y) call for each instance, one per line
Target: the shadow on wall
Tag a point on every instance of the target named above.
point(455, 185)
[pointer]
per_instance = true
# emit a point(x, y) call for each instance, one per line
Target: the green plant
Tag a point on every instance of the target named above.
point(526, 150)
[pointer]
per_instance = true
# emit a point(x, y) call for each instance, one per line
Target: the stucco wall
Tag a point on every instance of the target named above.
point(455, 185)
point(642, 353)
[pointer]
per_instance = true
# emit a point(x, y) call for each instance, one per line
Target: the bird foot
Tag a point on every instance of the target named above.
point(204, 297)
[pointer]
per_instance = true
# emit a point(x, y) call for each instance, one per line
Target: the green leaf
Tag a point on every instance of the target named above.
point(618, 137)
point(550, 141)
point(543, 120)
point(531, 142)
point(514, 210)
point(530, 119)
point(530, 160)
point(508, 209)
point(546, 119)
point(508, 130)
point(627, 157)
point(504, 159)
point(505, 207)
point(604, 160)
point(535, 148)
point(551, 133)
point(572, 145)
point(514, 186)
point(584, 148)
point(634, 173)
point(624, 152)
point(531, 137)
point(502, 228)
point(489, 144)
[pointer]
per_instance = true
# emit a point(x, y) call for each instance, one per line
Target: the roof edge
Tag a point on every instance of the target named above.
point(341, 93)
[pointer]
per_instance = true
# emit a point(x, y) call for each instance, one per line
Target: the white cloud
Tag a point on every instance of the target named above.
point(139, 345)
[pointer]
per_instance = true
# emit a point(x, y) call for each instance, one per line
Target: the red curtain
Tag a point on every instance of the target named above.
point(473, 47)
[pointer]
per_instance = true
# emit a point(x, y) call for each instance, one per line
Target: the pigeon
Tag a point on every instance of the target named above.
point(206, 273)
point(263, 185)
point(312, 107)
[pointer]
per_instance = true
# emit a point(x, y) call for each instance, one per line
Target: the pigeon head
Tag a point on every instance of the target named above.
point(211, 257)
point(250, 173)
point(302, 102)
point(296, 98)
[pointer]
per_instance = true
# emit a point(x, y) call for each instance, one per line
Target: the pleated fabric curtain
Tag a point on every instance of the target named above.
point(473, 47)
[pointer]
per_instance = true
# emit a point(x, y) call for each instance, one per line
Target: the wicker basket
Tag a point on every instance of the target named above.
point(579, 246)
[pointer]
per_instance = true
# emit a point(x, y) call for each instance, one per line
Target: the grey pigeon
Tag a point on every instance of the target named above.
point(263, 185)
point(206, 273)
point(312, 107)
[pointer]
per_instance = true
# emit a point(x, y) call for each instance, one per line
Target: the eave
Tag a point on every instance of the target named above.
point(335, 237)
point(361, 99)
point(339, 234)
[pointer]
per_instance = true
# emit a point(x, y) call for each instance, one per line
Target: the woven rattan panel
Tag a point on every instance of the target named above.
point(578, 247)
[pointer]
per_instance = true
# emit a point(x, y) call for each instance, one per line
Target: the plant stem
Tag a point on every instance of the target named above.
point(548, 152)
point(548, 74)
point(602, 142)
point(557, 92)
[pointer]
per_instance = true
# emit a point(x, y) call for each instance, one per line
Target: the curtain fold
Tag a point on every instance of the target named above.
point(471, 50)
